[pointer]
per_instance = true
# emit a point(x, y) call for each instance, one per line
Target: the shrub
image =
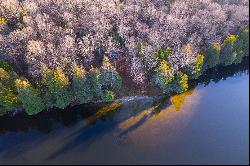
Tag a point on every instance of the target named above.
point(168, 82)
point(109, 78)
point(229, 53)
point(30, 97)
point(8, 97)
point(242, 45)
point(81, 85)
point(245, 37)
point(4, 65)
point(108, 96)
point(57, 84)
point(199, 65)
point(3, 22)
point(182, 82)
point(195, 70)
point(212, 56)
point(164, 77)
point(96, 87)
point(168, 51)
point(163, 54)
point(240, 51)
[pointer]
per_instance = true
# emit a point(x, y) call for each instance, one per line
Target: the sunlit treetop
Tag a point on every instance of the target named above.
point(3, 74)
point(165, 67)
point(106, 63)
point(200, 58)
point(78, 71)
point(3, 20)
point(57, 76)
point(246, 30)
point(216, 47)
point(22, 84)
point(230, 39)
point(94, 71)
point(188, 49)
point(60, 77)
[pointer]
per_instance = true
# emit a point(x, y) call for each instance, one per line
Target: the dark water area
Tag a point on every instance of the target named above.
point(209, 124)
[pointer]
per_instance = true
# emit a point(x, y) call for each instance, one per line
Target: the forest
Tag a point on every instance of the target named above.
point(58, 53)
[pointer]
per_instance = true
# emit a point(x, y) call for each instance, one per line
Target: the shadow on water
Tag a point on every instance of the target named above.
point(91, 113)
point(156, 107)
point(110, 113)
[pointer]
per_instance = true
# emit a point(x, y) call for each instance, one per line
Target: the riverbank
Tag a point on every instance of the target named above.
point(212, 75)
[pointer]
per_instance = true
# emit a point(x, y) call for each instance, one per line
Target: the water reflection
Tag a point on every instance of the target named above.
point(104, 112)
point(178, 100)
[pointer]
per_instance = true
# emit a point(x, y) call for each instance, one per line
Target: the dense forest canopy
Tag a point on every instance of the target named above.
point(61, 43)
point(64, 32)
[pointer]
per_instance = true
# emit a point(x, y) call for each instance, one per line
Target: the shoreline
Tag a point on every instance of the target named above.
point(213, 74)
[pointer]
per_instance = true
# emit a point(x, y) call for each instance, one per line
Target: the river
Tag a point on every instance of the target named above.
point(209, 124)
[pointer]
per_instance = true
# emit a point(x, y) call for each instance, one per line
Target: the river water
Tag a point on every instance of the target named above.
point(209, 124)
